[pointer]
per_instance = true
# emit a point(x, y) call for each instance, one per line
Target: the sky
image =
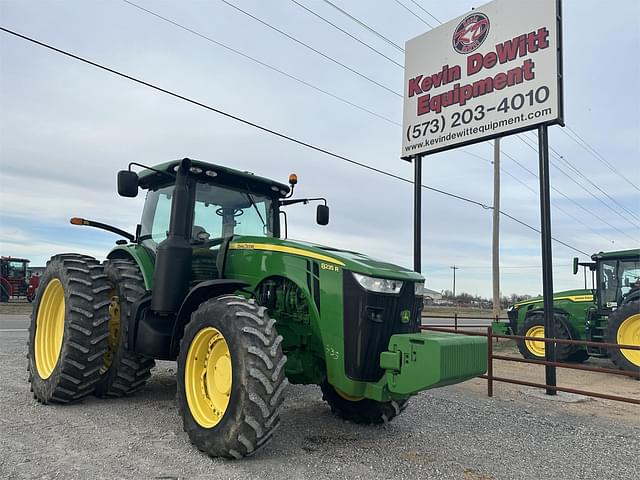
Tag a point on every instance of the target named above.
point(66, 129)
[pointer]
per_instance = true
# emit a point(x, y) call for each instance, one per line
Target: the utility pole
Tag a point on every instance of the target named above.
point(496, 228)
point(454, 268)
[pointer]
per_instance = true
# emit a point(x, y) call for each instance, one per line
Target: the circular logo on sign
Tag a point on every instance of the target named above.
point(470, 32)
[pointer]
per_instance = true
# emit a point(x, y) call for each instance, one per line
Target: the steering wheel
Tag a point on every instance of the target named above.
point(236, 212)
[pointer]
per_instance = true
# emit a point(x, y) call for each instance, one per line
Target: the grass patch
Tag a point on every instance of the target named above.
point(16, 308)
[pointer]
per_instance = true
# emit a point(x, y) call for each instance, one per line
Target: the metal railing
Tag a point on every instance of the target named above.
point(490, 377)
point(455, 317)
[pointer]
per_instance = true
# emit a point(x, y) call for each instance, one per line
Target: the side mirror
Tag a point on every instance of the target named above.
point(575, 265)
point(127, 183)
point(322, 215)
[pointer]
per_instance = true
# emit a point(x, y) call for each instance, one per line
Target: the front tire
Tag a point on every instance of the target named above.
point(624, 329)
point(68, 331)
point(361, 410)
point(535, 350)
point(230, 377)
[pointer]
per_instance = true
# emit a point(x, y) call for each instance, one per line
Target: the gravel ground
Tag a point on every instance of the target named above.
point(454, 432)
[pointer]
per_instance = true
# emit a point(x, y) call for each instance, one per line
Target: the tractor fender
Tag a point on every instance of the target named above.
point(202, 292)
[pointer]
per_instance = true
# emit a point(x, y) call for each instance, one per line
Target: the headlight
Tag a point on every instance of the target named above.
point(379, 285)
point(511, 307)
point(420, 289)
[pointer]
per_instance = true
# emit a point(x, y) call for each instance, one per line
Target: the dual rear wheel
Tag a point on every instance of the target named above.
point(78, 330)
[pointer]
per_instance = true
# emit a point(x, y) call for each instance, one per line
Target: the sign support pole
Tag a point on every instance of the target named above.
point(547, 267)
point(417, 213)
point(495, 255)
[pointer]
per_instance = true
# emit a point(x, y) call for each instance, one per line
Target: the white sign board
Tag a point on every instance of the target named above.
point(493, 71)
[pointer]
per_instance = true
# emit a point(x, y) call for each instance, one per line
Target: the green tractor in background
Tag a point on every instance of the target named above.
point(208, 280)
point(608, 313)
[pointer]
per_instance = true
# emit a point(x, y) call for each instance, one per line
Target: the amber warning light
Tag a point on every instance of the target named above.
point(78, 221)
point(293, 179)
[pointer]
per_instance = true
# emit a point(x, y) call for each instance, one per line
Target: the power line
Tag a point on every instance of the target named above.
point(425, 10)
point(271, 131)
point(556, 207)
point(260, 62)
point(413, 13)
point(364, 25)
point(560, 192)
point(306, 45)
point(583, 188)
point(592, 151)
point(347, 33)
point(593, 184)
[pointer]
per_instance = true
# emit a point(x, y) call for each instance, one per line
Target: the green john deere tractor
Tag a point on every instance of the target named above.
point(608, 313)
point(208, 280)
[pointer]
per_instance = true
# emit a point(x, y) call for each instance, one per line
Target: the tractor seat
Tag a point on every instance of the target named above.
point(203, 259)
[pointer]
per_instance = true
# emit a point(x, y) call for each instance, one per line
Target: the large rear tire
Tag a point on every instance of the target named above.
point(230, 377)
point(123, 372)
point(361, 410)
point(624, 329)
point(68, 331)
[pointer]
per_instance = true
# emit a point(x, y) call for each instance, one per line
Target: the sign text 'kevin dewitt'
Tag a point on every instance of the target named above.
point(507, 51)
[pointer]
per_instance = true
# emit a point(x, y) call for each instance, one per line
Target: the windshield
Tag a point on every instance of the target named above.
point(219, 212)
point(617, 279)
point(15, 269)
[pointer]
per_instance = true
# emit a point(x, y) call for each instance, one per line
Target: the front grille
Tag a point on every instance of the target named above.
point(369, 321)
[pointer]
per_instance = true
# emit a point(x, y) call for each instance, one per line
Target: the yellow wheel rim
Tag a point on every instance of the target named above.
point(629, 334)
point(536, 348)
point(208, 377)
point(114, 332)
point(350, 398)
point(49, 328)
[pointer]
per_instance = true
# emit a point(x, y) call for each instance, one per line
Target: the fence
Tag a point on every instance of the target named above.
point(490, 377)
point(458, 319)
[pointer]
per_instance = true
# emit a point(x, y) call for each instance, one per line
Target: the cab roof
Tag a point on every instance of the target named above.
point(634, 252)
point(214, 174)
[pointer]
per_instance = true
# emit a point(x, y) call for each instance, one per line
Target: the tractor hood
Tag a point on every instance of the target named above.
point(578, 295)
point(353, 261)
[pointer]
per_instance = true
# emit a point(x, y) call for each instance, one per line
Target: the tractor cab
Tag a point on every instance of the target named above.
point(13, 277)
point(225, 203)
point(617, 279)
point(221, 203)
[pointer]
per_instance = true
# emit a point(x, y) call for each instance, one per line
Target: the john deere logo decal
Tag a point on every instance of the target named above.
point(470, 32)
point(405, 316)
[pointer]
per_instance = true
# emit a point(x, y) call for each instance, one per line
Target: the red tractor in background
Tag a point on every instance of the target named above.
point(15, 281)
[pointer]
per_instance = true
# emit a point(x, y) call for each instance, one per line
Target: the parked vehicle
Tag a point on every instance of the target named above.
point(210, 280)
point(609, 312)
